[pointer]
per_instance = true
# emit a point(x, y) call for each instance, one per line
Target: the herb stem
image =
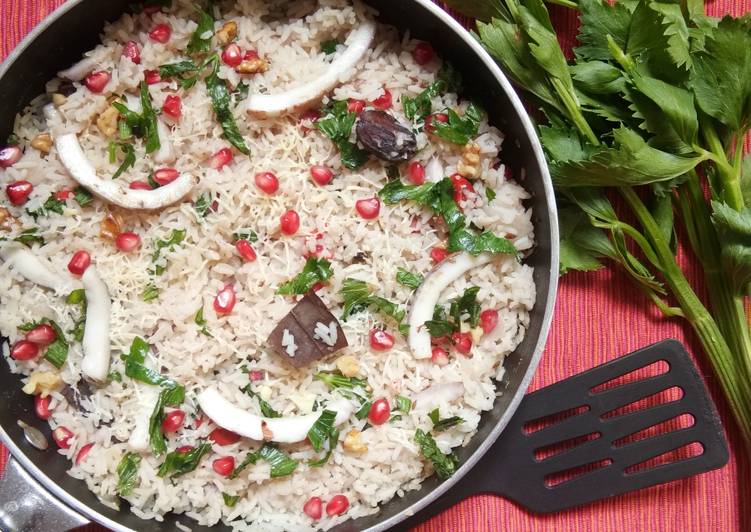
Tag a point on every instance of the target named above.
point(574, 111)
point(729, 176)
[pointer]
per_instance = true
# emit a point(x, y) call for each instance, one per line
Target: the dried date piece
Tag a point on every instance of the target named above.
point(383, 136)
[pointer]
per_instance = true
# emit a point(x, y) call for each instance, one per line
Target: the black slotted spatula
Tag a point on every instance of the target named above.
point(584, 418)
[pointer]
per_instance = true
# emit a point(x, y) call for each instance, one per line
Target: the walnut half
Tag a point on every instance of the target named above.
point(469, 165)
point(228, 32)
point(253, 66)
point(352, 442)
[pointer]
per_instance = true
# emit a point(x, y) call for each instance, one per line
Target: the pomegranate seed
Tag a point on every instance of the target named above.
point(439, 356)
point(250, 55)
point(139, 185)
point(161, 33)
point(42, 406)
point(62, 437)
point(368, 208)
point(380, 411)
point(184, 449)
point(313, 508)
point(380, 340)
point(462, 342)
point(317, 286)
point(18, 192)
point(267, 182)
point(80, 261)
point(321, 174)
point(488, 320)
point(24, 350)
point(96, 81)
point(437, 117)
point(132, 52)
point(309, 117)
point(224, 301)
point(173, 107)
point(83, 453)
point(165, 176)
point(355, 106)
point(460, 185)
point(223, 437)
point(245, 250)
point(289, 222)
point(384, 101)
point(9, 156)
point(224, 466)
point(232, 55)
point(255, 375)
point(42, 334)
point(221, 158)
point(152, 76)
point(173, 421)
point(416, 173)
point(127, 242)
point(423, 53)
point(63, 195)
point(198, 422)
point(337, 505)
point(438, 254)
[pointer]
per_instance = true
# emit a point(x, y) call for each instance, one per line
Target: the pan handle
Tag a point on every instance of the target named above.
point(26, 505)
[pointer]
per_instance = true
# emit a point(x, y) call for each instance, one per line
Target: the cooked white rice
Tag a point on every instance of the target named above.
point(289, 35)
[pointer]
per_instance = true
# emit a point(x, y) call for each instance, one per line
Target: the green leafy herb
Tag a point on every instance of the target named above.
point(78, 297)
point(30, 236)
point(115, 376)
point(178, 463)
point(321, 429)
point(315, 271)
point(245, 234)
point(199, 320)
point(403, 404)
point(418, 108)
point(408, 279)
point(250, 458)
point(357, 297)
point(331, 445)
point(51, 204)
point(460, 130)
point(241, 92)
point(439, 425)
point(171, 395)
point(82, 196)
point(444, 464)
point(57, 351)
point(150, 293)
point(175, 238)
point(490, 194)
point(220, 100)
point(230, 500)
point(464, 308)
point(266, 409)
point(329, 47)
point(135, 368)
point(129, 160)
point(336, 123)
point(281, 464)
point(143, 125)
point(350, 388)
point(13, 140)
point(203, 205)
point(127, 474)
point(200, 41)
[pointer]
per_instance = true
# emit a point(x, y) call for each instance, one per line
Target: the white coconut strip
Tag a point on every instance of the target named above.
point(96, 337)
point(438, 395)
point(434, 170)
point(166, 153)
point(339, 71)
point(148, 395)
point(288, 429)
point(133, 103)
point(427, 295)
point(80, 70)
point(35, 269)
point(72, 156)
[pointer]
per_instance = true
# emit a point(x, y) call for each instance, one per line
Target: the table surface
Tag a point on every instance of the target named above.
point(598, 316)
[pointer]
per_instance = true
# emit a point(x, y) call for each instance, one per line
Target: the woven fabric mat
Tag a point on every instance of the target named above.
point(597, 317)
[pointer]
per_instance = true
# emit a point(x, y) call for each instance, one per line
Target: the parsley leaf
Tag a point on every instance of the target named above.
point(150, 293)
point(51, 204)
point(349, 388)
point(459, 130)
point(315, 271)
point(201, 322)
point(203, 205)
point(220, 100)
point(439, 425)
point(230, 500)
point(171, 395)
point(266, 409)
point(29, 236)
point(129, 160)
point(127, 473)
point(329, 47)
point(418, 108)
point(281, 464)
point(245, 234)
point(200, 41)
point(78, 297)
point(321, 429)
point(336, 123)
point(403, 404)
point(250, 458)
point(444, 464)
point(82, 196)
point(178, 463)
point(357, 297)
point(408, 279)
point(143, 125)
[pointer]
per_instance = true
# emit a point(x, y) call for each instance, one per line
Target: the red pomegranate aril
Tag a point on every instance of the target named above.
point(224, 301)
point(161, 33)
point(139, 185)
point(173, 421)
point(488, 320)
point(322, 175)
point(184, 449)
point(152, 76)
point(462, 342)
point(18, 192)
point(311, 115)
point(42, 334)
point(289, 222)
point(173, 107)
point(245, 250)
point(423, 53)
point(368, 208)
point(165, 176)
point(232, 55)
point(355, 106)
point(250, 55)
point(9, 156)
point(437, 117)
point(127, 242)
point(132, 52)
point(439, 356)
point(267, 182)
point(223, 437)
point(221, 158)
point(313, 508)
point(380, 340)
point(62, 195)
point(438, 254)
point(79, 262)
point(42, 406)
point(224, 466)
point(384, 101)
point(255, 375)
point(416, 173)
point(83, 452)
point(460, 186)
point(96, 81)
point(337, 505)
point(24, 350)
point(62, 437)
point(380, 411)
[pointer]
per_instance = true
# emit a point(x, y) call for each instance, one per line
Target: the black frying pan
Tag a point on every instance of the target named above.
point(50, 498)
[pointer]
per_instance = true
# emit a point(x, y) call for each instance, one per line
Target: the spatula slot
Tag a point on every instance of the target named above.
point(682, 421)
point(551, 419)
point(689, 450)
point(548, 451)
point(561, 477)
point(668, 395)
point(654, 369)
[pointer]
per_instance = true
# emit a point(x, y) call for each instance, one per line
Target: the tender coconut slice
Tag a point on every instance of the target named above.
point(166, 153)
point(434, 170)
point(148, 395)
point(339, 71)
point(288, 429)
point(438, 395)
point(96, 337)
point(79, 71)
point(72, 156)
point(35, 269)
point(429, 292)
